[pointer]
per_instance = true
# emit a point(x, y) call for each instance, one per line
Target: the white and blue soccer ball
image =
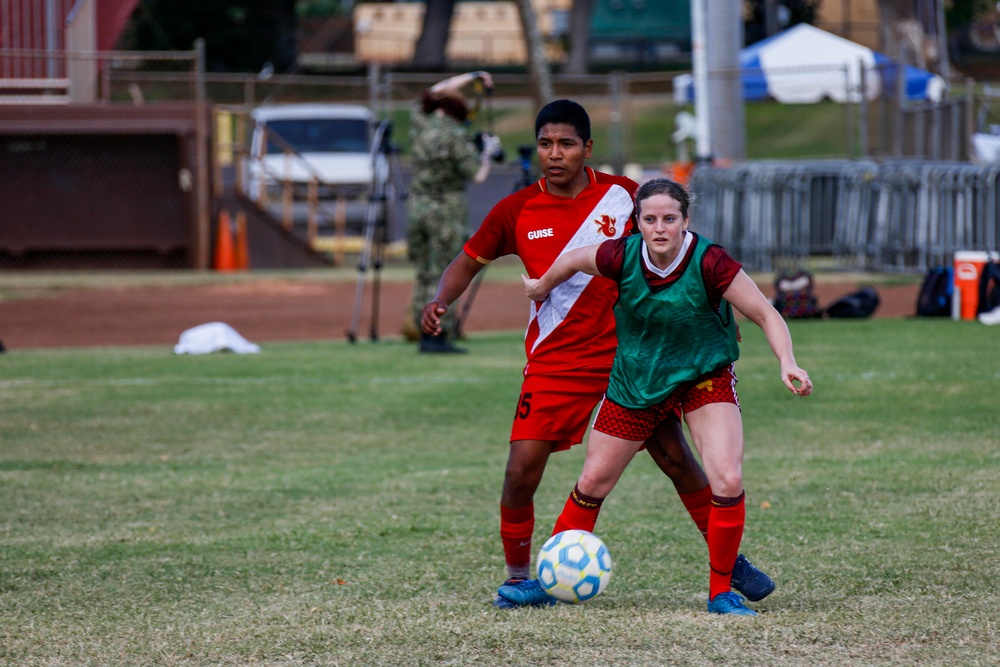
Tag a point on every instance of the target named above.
point(574, 566)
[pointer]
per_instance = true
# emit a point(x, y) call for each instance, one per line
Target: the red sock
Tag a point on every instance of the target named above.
point(580, 513)
point(725, 530)
point(516, 527)
point(699, 506)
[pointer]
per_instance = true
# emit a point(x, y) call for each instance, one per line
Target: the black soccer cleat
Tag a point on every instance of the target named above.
point(751, 582)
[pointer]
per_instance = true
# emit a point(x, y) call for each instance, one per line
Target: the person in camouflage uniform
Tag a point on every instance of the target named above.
point(444, 160)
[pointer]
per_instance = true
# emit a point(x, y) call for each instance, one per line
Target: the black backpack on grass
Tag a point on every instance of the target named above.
point(862, 303)
point(934, 298)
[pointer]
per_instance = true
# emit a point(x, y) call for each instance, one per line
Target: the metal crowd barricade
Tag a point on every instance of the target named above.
point(716, 203)
point(850, 239)
point(769, 214)
point(896, 208)
point(901, 216)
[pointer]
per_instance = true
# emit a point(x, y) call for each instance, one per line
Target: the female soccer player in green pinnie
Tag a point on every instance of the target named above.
point(677, 344)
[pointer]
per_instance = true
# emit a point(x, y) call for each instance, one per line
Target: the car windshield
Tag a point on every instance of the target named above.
point(320, 135)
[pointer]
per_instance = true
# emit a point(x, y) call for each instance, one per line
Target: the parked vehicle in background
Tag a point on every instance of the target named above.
point(293, 144)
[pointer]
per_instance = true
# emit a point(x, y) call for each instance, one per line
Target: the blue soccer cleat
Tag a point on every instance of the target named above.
point(751, 582)
point(729, 603)
point(502, 602)
point(525, 593)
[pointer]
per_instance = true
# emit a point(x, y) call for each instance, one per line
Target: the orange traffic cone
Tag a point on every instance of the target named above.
point(241, 253)
point(224, 255)
point(681, 172)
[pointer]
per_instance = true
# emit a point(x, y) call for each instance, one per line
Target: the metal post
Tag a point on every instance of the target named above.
point(312, 230)
point(936, 131)
point(882, 116)
point(241, 152)
point(863, 112)
point(970, 115)
point(386, 93)
point(699, 66)
point(202, 232)
point(920, 148)
point(287, 221)
point(955, 132)
point(848, 115)
point(900, 108)
point(726, 114)
point(220, 144)
point(373, 87)
point(51, 37)
point(106, 82)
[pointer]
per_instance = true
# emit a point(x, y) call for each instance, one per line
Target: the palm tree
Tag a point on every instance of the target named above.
point(578, 61)
point(429, 53)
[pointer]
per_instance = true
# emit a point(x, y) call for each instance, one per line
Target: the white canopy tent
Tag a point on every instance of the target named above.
point(804, 65)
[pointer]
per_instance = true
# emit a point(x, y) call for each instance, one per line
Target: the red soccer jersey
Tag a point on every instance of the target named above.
point(574, 329)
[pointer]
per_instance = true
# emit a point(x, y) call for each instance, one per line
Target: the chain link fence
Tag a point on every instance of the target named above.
point(126, 159)
point(104, 164)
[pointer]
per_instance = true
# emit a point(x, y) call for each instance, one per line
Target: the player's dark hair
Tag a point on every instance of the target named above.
point(565, 111)
point(664, 186)
point(449, 104)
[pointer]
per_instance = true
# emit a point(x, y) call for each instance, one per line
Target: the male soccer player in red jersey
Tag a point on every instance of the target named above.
point(570, 349)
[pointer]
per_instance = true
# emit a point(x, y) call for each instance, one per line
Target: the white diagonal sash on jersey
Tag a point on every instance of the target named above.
point(617, 203)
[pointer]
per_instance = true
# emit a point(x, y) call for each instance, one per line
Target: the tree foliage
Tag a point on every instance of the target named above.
point(960, 13)
point(239, 36)
point(798, 11)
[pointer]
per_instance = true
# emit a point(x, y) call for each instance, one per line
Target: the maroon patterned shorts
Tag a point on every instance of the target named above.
point(718, 386)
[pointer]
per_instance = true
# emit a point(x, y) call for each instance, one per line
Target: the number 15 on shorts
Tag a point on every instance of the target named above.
point(524, 405)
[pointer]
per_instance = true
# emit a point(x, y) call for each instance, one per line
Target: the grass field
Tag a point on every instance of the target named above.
point(328, 504)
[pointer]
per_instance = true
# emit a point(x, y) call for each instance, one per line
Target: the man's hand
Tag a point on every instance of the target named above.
point(430, 317)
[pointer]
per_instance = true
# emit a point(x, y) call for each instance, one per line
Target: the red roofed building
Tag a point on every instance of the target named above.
point(39, 37)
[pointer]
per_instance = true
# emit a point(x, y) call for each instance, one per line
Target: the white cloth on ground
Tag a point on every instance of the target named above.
point(213, 337)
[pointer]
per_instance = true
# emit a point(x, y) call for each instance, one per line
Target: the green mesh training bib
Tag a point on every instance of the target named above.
point(669, 336)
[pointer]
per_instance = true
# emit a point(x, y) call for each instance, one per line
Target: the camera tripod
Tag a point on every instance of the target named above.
point(524, 179)
point(387, 188)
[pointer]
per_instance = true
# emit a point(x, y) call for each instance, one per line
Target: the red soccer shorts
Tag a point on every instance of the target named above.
point(557, 408)
point(718, 386)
